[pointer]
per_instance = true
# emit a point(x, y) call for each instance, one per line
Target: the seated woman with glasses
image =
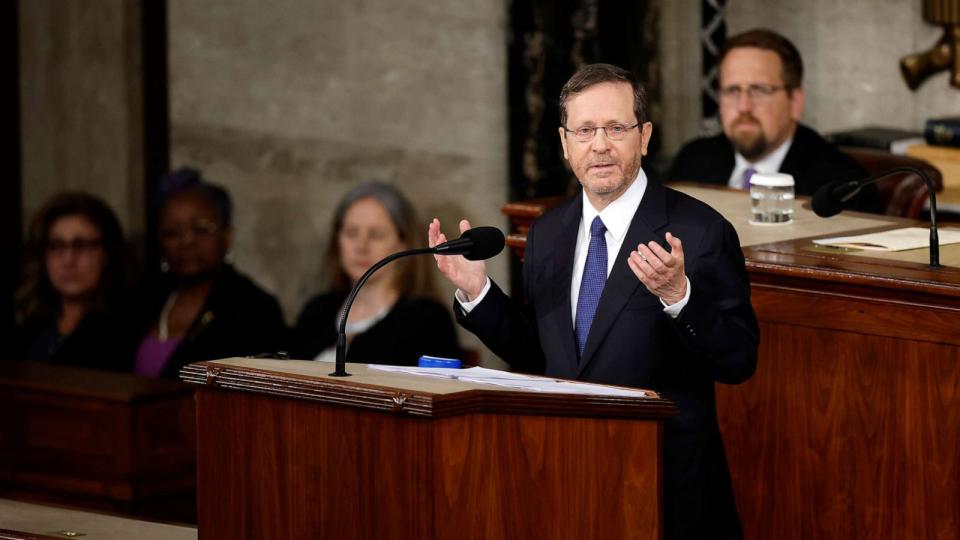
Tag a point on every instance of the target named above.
point(201, 308)
point(394, 319)
point(69, 305)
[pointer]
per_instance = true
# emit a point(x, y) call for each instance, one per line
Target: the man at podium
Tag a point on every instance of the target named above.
point(628, 283)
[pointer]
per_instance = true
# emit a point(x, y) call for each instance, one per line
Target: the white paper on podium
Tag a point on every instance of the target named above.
point(517, 381)
point(892, 240)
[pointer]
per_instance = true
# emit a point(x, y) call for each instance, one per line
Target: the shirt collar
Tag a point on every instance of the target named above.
point(619, 213)
point(769, 164)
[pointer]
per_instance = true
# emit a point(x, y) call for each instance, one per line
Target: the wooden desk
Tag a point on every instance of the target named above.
point(850, 427)
point(106, 441)
point(733, 204)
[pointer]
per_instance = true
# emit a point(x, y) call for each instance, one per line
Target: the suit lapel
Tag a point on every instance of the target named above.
point(650, 217)
point(562, 256)
point(720, 169)
point(797, 158)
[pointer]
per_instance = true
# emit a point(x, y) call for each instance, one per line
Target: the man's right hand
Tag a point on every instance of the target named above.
point(468, 276)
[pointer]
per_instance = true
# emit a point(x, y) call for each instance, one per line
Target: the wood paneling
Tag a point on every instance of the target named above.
point(104, 441)
point(861, 314)
point(850, 427)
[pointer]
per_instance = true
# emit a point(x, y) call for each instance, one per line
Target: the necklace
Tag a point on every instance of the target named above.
point(163, 331)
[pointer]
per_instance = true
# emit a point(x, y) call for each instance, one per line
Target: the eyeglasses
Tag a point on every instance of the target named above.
point(77, 245)
point(199, 229)
point(756, 92)
point(614, 132)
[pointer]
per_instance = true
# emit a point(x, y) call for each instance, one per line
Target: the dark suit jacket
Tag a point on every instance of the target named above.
point(399, 338)
point(100, 341)
point(238, 319)
point(811, 160)
point(633, 342)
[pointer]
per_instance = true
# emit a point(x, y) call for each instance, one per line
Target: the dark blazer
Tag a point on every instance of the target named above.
point(238, 319)
point(633, 342)
point(413, 327)
point(100, 341)
point(811, 160)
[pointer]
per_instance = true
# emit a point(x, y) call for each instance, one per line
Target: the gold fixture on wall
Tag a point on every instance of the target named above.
point(945, 53)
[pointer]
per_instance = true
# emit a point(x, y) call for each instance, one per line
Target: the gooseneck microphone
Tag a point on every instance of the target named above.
point(477, 244)
point(829, 200)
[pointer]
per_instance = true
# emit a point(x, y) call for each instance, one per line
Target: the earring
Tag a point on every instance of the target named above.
point(164, 266)
point(228, 257)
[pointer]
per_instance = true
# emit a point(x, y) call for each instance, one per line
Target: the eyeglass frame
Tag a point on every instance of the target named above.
point(755, 92)
point(76, 245)
point(593, 131)
point(202, 228)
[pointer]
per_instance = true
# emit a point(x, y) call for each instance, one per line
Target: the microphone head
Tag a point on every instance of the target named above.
point(824, 203)
point(830, 198)
point(485, 242)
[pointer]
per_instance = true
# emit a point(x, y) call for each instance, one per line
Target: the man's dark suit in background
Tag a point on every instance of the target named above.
point(633, 342)
point(811, 160)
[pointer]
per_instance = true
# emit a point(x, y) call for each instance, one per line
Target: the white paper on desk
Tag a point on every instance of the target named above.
point(892, 240)
point(519, 381)
point(550, 386)
point(453, 373)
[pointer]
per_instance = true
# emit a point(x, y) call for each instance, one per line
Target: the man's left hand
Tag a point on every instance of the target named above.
point(661, 272)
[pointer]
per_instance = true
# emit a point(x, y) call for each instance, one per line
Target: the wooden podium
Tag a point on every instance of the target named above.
point(286, 451)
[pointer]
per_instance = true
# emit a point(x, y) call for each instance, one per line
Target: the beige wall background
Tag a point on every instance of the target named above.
point(80, 104)
point(851, 51)
point(290, 104)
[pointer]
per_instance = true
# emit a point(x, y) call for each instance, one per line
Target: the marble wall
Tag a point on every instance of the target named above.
point(680, 73)
point(289, 104)
point(80, 96)
point(851, 52)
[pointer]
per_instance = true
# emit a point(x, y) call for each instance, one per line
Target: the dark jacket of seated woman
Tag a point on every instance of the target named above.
point(202, 309)
point(238, 318)
point(411, 328)
point(100, 341)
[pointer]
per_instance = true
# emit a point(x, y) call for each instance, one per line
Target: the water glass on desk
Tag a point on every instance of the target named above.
point(771, 198)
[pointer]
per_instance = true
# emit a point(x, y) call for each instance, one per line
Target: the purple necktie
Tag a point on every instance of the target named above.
point(591, 286)
point(747, 175)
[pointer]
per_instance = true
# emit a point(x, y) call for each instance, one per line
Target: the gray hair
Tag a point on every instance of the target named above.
point(413, 277)
point(593, 74)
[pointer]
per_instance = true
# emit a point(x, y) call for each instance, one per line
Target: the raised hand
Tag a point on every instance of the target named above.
point(661, 272)
point(468, 276)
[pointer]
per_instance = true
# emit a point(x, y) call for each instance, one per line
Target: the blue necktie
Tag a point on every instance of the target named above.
point(747, 175)
point(591, 286)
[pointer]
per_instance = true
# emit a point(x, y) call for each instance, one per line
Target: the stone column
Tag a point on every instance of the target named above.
point(82, 100)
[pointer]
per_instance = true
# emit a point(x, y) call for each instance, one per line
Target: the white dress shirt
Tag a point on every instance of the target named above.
point(616, 218)
point(769, 164)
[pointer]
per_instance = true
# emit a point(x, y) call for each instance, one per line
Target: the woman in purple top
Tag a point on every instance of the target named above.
point(201, 308)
